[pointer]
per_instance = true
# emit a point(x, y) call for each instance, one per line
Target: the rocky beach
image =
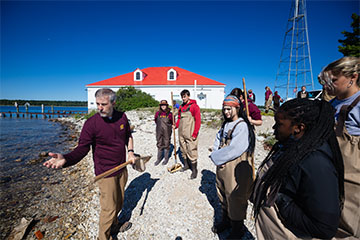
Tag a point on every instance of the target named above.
point(161, 205)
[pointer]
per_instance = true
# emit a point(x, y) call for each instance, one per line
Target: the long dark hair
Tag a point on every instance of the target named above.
point(167, 110)
point(318, 118)
point(241, 114)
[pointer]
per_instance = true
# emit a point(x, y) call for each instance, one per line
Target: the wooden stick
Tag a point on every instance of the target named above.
point(173, 119)
point(247, 113)
point(108, 172)
point(245, 98)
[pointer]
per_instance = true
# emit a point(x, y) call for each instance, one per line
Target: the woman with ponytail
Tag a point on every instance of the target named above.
point(232, 154)
point(299, 187)
point(341, 79)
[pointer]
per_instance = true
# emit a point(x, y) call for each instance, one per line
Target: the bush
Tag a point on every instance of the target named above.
point(92, 113)
point(129, 98)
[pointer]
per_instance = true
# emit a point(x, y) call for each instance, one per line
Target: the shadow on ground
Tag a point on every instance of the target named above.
point(208, 187)
point(133, 194)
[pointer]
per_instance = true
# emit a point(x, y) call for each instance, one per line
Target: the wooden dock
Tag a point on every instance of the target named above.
point(55, 114)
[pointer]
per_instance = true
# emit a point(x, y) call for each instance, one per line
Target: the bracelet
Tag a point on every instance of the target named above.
point(130, 150)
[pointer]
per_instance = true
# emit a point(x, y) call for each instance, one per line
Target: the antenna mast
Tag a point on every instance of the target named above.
point(295, 61)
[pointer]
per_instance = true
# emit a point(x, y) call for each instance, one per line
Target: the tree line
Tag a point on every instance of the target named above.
point(7, 102)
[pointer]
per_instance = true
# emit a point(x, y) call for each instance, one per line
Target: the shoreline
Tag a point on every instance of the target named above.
point(33, 205)
point(69, 206)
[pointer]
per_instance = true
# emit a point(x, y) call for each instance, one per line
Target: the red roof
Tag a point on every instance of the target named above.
point(158, 76)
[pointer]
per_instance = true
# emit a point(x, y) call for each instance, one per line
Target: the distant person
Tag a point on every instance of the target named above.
point(251, 95)
point(188, 124)
point(232, 154)
point(164, 123)
point(341, 79)
point(299, 186)
point(16, 106)
point(108, 133)
point(277, 100)
point(27, 105)
point(254, 111)
point(175, 104)
point(303, 93)
point(268, 99)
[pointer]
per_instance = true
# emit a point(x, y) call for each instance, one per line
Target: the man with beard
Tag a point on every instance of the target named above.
point(108, 133)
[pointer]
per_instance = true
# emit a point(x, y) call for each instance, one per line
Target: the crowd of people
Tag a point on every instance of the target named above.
point(307, 187)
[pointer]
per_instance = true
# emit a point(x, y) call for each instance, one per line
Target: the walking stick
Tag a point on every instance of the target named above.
point(247, 114)
point(176, 166)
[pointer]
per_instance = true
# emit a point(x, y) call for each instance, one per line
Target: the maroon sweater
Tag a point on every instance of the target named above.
point(108, 138)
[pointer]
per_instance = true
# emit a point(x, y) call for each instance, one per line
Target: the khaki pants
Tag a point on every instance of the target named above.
point(234, 183)
point(111, 202)
point(188, 146)
point(268, 103)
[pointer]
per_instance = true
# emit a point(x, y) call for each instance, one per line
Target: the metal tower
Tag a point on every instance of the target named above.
point(295, 68)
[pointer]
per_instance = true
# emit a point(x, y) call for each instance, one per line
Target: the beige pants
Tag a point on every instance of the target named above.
point(233, 184)
point(111, 202)
point(268, 103)
point(188, 146)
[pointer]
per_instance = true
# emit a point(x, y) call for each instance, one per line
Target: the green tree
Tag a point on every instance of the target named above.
point(351, 43)
point(129, 98)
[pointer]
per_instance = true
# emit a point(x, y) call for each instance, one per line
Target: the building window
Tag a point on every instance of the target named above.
point(171, 75)
point(138, 75)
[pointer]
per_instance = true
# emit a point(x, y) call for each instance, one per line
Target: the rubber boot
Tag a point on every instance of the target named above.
point(194, 170)
point(237, 230)
point(186, 165)
point(223, 225)
point(159, 157)
point(166, 155)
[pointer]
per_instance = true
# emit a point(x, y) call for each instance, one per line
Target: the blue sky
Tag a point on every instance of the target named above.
point(51, 49)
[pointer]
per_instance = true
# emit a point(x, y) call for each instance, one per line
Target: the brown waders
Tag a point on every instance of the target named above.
point(349, 226)
point(234, 183)
point(163, 135)
point(268, 103)
point(188, 146)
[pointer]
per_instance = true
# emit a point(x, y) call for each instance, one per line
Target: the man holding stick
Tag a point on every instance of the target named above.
point(188, 124)
point(108, 133)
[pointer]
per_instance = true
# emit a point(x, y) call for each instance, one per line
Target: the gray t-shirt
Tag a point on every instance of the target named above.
point(352, 123)
point(238, 145)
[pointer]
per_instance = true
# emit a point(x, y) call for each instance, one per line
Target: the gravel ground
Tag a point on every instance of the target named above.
point(160, 205)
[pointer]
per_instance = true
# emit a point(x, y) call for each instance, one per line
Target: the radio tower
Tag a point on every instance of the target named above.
point(295, 68)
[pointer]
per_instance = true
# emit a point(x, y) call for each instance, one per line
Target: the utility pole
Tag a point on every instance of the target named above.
point(295, 68)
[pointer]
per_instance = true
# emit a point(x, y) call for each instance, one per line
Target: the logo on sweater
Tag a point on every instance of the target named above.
point(121, 126)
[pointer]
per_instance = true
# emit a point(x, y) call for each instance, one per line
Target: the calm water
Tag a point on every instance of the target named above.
point(21, 170)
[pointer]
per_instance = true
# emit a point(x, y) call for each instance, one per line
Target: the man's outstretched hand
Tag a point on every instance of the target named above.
point(57, 161)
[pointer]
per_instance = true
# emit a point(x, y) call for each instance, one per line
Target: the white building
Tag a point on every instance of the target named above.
point(159, 82)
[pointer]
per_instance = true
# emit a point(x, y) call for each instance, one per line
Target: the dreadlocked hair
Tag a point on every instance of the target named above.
point(242, 114)
point(318, 118)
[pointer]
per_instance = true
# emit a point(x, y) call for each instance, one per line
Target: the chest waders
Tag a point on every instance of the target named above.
point(188, 146)
point(349, 226)
point(163, 135)
point(267, 223)
point(268, 103)
point(233, 183)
